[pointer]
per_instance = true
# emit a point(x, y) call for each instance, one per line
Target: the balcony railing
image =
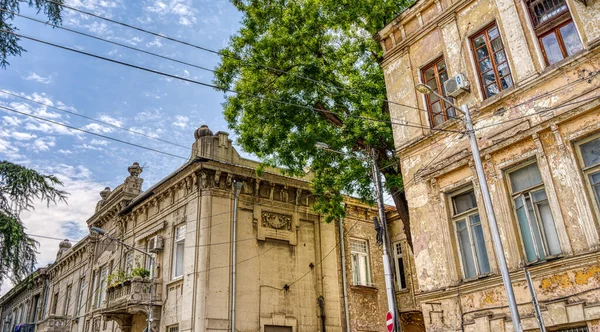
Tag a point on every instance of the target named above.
point(54, 324)
point(131, 292)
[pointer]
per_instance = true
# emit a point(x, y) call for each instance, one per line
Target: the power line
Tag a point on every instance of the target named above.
point(277, 101)
point(220, 53)
point(93, 133)
point(94, 120)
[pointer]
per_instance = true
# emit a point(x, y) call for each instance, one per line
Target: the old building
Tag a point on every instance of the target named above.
point(529, 71)
point(24, 303)
point(289, 273)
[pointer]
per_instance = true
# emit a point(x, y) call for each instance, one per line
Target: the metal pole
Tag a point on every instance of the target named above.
point(387, 269)
point(489, 209)
point(152, 262)
point(534, 300)
point(236, 191)
point(344, 282)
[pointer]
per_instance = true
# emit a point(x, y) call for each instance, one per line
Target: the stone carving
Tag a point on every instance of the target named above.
point(284, 194)
point(276, 221)
point(257, 188)
point(271, 191)
point(229, 181)
point(217, 178)
point(203, 180)
point(298, 196)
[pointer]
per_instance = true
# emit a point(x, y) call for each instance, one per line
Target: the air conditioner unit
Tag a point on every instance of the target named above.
point(456, 85)
point(155, 243)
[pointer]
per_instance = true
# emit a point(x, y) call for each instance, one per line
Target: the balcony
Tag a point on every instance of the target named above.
point(131, 296)
point(54, 324)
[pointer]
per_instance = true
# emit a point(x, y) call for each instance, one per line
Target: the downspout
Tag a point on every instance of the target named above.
point(236, 192)
point(344, 281)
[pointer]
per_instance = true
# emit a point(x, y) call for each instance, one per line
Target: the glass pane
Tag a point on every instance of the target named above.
point(500, 57)
point(551, 48)
point(596, 189)
point(433, 98)
point(443, 78)
point(465, 250)
point(539, 195)
point(506, 82)
point(436, 108)
point(489, 78)
point(491, 90)
point(179, 260)
point(493, 33)
point(497, 44)
point(432, 83)
point(401, 274)
point(429, 74)
point(503, 69)
point(525, 177)
point(535, 228)
point(479, 242)
point(590, 152)
point(482, 53)
point(526, 236)
point(479, 41)
point(438, 119)
point(571, 39)
point(441, 66)
point(363, 270)
point(595, 178)
point(464, 202)
point(355, 265)
point(549, 228)
point(450, 113)
point(485, 65)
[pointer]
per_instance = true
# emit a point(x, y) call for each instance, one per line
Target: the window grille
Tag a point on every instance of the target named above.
point(543, 11)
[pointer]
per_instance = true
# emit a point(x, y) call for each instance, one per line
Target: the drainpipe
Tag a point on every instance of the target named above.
point(344, 281)
point(236, 192)
point(321, 302)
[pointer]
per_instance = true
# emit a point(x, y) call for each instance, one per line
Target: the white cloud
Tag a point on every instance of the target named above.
point(148, 115)
point(152, 132)
point(40, 79)
point(111, 120)
point(22, 136)
point(44, 143)
point(99, 142)
point(89, 147)
point(181, 121)
point(11, 121)
point(97, 128)
point(182, 9)
point(64, 151)
point(155, 43)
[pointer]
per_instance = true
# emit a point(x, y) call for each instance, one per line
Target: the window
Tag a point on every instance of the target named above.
point(534, 215)
point(274, 328)
point(178, 251)
point(400, 275)
point(68, 301)
point(34, 309)
point(361, 274)
point(80, 295)
point(589, 154)
point(128, 262)
point(54, 303)
point(491, 60)
point(554, 28)
point(434, 75)
point(173, 328)
point(101, 286)
point(573, 329)
point(469, 235)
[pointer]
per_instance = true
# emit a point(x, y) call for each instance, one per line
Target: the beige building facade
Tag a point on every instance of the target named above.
point(533, 69)
point(289, 272)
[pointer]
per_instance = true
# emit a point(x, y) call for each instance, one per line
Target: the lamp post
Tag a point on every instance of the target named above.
point(487, 202)
point(387, 267)
point(101, 232)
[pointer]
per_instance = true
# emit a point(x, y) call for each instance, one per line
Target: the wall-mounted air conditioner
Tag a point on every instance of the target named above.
point(456, 85)
point(155, 243)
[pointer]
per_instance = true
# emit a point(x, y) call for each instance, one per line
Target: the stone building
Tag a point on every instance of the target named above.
point(289, 275)
point(529, 72)
point(24, 303)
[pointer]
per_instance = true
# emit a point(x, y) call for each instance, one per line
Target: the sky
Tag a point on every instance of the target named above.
point(128, 98)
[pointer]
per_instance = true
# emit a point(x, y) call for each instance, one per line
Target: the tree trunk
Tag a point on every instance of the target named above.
point(402, 208)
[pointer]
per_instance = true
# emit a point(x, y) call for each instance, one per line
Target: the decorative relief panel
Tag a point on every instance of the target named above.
point(276, 220)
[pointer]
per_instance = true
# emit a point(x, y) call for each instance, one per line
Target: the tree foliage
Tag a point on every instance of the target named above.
point(20, 188)
point(9, 43)
point(319, 54)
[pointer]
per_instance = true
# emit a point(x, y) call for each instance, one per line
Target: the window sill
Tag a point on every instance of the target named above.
point(366, 288)
point(174, 281)
point(547, 260)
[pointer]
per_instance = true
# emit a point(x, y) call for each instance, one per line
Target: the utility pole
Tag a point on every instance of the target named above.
point(387, 267)
point(487, 202)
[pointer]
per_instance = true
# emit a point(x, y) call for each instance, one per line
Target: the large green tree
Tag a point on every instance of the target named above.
point(20, 188)
point(9, 43)
point(318, 54)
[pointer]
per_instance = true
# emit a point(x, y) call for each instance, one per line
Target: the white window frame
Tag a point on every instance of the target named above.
point(68, 300)
point(80, 295)
point(101, 283)
point(466, 217)
point(358, 257)
point(128, 262)
point(532, 220)
point(173, 328)
point(587, 171)
point(178, 242)
point(400, 268)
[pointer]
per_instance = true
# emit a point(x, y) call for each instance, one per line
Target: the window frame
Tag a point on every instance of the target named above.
point(128, 262)
point(445, 109)
point(176, 242)
point(67, 300)
point(541, 229)
point(369, 280)
point(465, 215)
point(488, 43)
point(586, 172)
point(80, 294)
point(400, 268)
point(173, 328)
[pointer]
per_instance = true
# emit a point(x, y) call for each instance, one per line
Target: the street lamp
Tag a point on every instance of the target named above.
point(387, 267)
point(487, 201)
point(101, 232)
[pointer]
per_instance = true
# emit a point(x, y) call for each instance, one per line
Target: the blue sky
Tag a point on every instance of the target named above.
point(165, 108)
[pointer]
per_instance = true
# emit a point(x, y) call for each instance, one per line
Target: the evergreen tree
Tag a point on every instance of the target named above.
point(20, 187)
point(9, 43)
point(319, 54)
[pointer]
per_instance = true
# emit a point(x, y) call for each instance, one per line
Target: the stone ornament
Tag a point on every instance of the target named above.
point(276, 220)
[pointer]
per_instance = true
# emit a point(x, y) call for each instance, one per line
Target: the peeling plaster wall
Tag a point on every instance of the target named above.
point(540, 119)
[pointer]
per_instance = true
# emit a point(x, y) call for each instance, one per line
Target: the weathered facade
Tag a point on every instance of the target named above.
point(534, 73)
point(289, 275)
